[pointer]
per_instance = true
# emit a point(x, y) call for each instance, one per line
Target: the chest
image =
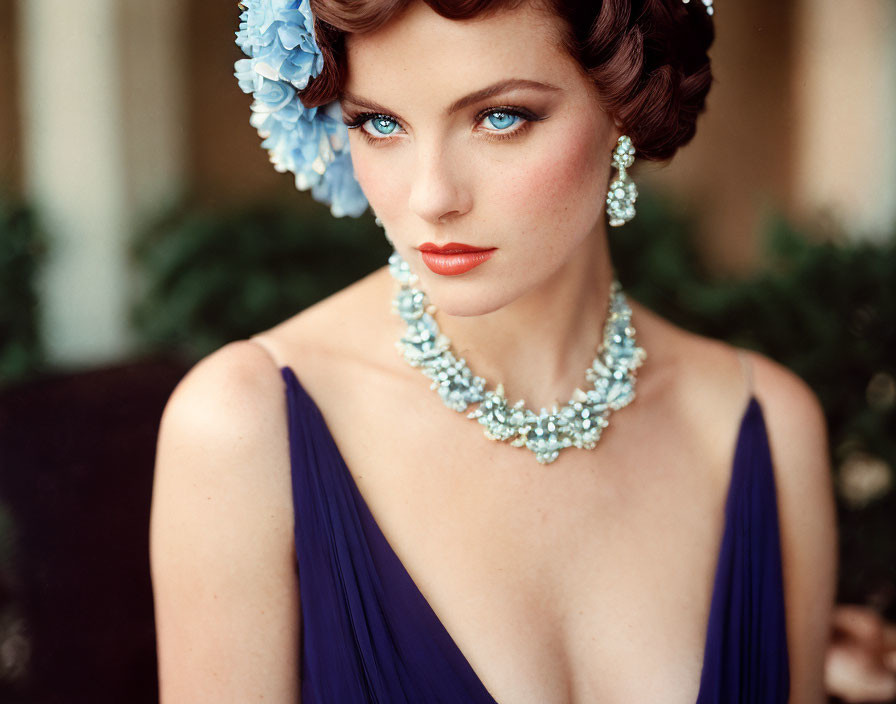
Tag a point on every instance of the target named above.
point(588, 579)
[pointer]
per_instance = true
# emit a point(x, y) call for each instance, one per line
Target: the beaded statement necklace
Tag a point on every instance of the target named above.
point(577, 424)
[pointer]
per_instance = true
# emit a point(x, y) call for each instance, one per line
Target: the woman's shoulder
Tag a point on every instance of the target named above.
point(221, 531)
point(223, 438)
point(791, 410)
point(231, 388)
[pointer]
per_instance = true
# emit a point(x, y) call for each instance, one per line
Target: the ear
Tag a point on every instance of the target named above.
point(614, 132)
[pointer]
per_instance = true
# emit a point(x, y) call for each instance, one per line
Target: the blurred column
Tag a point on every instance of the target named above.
point(845, 84)
point(102, 125)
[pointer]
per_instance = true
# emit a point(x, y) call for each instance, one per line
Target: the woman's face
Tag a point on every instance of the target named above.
point(523, 169)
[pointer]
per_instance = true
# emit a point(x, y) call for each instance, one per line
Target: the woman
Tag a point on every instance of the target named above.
point(650, 562)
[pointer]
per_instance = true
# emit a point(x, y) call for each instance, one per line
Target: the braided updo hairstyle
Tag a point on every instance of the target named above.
point(647, 58)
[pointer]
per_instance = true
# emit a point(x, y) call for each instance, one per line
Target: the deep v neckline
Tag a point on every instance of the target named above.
point(362, 503)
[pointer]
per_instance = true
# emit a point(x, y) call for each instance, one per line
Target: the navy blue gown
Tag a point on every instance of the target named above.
point(369, 635)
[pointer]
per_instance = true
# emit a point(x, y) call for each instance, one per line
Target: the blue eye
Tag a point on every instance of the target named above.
point(383, 125)
point(502, 120)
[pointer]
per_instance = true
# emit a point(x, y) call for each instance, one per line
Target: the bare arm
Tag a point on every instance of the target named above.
point(799, 446)
point(221, 536)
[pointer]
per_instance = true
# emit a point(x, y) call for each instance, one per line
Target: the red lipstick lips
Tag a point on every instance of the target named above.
point(453, 258)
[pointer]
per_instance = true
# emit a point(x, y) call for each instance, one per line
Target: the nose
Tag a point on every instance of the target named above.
point(438, 191)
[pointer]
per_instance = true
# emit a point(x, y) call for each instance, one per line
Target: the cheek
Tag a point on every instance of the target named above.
point(561, 180)
point(382, 184)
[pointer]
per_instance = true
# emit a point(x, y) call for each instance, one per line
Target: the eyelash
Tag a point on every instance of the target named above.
point(354, 121)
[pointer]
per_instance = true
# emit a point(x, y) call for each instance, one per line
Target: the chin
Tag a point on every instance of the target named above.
point(466, 298)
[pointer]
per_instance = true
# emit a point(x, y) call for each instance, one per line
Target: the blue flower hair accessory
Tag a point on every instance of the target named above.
point(278, 37)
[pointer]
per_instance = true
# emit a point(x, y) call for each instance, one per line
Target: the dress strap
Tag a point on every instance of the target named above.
point(747, 370)
point(267, 347)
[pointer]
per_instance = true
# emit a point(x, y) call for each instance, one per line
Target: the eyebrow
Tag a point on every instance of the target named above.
point(474, 97)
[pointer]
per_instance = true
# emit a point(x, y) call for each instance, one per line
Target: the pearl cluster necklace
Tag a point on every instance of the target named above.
point(578, 424)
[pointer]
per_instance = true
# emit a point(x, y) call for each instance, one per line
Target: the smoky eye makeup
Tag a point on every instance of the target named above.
point(525, 118)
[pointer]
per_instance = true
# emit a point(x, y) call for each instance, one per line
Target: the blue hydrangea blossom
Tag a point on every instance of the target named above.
point(277, 36)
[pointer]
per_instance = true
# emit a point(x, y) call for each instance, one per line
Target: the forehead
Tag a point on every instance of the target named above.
point(421, 54)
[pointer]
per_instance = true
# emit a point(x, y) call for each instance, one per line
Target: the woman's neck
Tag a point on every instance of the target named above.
point(540, 345)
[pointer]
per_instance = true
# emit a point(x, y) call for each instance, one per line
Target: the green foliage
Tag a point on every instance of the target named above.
point(212, 278)
point(22, 251)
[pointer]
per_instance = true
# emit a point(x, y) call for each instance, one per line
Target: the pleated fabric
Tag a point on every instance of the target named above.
point(369, 635)
point(746, 658)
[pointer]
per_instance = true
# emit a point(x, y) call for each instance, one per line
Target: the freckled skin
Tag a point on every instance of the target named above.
point(538, 197)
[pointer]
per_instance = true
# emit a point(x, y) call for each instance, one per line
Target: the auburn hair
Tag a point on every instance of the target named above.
point(648, 58)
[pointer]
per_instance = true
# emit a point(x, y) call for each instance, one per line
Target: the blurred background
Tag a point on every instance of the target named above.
point(141, 227)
